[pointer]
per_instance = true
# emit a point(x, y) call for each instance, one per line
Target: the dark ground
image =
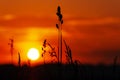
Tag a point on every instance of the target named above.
point(60, 72)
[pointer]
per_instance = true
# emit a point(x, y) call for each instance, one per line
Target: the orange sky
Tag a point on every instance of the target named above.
point(91, 27)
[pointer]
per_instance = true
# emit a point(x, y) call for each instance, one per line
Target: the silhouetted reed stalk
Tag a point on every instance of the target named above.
point(19, 60)
point(51, 52)
point(43, 49)
point(68, 53)
point(75, 65)
point(59, 27)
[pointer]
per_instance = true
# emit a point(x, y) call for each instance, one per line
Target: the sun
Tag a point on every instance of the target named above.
point(33, 54)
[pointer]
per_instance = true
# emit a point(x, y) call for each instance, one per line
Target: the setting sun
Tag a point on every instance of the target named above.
point(33, 54)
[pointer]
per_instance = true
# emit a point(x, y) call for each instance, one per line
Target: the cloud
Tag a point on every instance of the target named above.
point(90, 21)
point(92, 26)
point(9, 21)
point(8, 17)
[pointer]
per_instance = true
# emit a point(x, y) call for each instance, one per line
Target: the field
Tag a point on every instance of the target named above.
point(60, 72)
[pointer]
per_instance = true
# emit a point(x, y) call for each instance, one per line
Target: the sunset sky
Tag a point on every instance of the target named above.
point(91, 28)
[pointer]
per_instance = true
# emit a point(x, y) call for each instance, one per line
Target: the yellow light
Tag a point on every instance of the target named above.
point(33, 54)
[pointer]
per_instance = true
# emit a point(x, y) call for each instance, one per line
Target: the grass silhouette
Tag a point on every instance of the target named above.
point(51, 72)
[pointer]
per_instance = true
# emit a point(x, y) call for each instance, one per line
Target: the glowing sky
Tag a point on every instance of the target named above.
point(91, 27)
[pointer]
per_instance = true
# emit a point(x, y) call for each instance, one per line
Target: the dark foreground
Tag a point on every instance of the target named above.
point(60, 72)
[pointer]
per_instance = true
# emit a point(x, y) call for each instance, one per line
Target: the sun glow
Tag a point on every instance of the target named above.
point(33, 54)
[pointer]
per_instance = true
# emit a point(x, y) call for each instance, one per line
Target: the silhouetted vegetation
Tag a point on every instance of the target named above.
point(68, 54)
point(19, 59)
point(51, 72)
point(59, 27)
point(51, 52)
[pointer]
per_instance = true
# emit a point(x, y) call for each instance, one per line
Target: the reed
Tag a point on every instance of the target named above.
point(19, 60)
point(68, 53)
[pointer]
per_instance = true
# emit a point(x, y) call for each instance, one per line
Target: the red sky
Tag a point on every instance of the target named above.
point(91, 27)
